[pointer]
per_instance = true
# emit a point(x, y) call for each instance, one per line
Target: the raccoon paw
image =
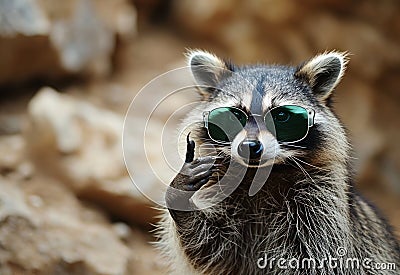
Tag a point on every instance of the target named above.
point(198, 172)
point(190, 179)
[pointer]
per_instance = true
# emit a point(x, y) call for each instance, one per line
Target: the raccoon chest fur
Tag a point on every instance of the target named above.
point(285, 223)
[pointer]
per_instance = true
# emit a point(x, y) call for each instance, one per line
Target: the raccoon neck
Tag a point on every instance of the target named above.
point(307, 210)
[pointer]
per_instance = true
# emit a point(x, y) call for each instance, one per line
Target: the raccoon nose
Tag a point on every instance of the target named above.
point(251, 149)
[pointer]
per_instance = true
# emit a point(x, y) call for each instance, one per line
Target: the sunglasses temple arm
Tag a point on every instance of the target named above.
point(311, 115)
point(205, 119)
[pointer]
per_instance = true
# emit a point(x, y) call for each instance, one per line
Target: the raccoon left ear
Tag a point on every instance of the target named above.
point(207, 69)
point(323, 73)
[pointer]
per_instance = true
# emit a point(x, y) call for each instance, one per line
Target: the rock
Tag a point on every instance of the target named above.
point(85, 140)
point(71, 139)
point(10, 124)
point(22, 17)
point(83, 40)
point(119, 16)
point(274, 11)
point(49, 39)
point(360, 39)
point(198, 16)
point(12, 153)
point(45, 230)
point(122, 230)
point(359, 121)
point(12, 202)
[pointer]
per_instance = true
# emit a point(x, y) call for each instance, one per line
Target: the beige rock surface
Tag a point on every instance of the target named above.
point(80, 143)
point(70, 37)
point(48, 231)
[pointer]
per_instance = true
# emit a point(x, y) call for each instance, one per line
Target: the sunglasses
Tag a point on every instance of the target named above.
point(288, 123)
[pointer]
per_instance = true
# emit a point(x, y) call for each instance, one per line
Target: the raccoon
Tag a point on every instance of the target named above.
point(266, 187)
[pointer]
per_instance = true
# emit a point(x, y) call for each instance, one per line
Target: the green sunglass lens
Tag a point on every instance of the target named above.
point(289, 123)
point(225, 123)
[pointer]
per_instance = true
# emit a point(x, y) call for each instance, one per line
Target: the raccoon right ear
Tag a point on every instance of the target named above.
point(323, 73)
point(207, 70)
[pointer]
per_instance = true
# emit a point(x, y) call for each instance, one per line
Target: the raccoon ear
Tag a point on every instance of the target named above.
point(323, 73)
point(208, 69)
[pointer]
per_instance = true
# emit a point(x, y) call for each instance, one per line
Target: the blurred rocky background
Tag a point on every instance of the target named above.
point(69, 69)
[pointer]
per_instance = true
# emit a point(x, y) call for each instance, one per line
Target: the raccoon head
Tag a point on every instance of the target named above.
point(261, 115)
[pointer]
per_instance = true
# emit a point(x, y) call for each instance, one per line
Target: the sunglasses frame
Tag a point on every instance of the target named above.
point(310, 121)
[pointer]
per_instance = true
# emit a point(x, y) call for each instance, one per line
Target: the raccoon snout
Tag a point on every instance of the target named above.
point(250, 149)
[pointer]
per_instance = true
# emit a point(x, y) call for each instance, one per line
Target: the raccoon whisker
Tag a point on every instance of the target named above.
point(212, 153)
point(212, 145)
point(209, 142)
point(309, 164)
point(209, 147)
point(209, 150)
point(302, 169)
point(202, 138)
point(291, 145)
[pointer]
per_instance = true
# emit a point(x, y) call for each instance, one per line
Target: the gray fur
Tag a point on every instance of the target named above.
point(307, 208)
